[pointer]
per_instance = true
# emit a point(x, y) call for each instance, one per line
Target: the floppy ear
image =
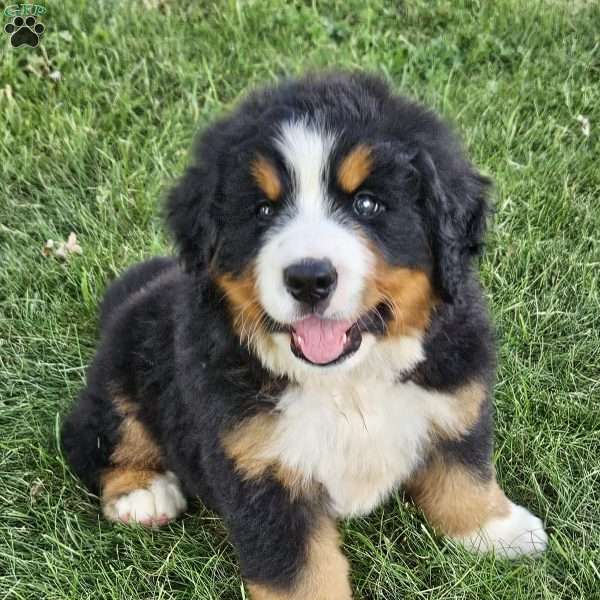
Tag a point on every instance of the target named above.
point(188, 214)
point(455, 208)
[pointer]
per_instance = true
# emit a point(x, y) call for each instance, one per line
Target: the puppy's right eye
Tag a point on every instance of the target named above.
point(265, 211)
point(366, 205)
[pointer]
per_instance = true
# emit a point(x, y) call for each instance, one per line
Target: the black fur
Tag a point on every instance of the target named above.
point(167, 340)
point(133, 280)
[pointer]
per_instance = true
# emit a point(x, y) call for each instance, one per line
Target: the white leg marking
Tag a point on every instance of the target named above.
point(518, 534)
point(158, 504)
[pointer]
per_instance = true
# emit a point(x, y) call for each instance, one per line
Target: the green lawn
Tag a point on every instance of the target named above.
point(98, 120)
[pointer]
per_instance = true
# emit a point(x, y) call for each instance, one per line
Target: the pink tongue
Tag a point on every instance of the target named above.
point(321, 340)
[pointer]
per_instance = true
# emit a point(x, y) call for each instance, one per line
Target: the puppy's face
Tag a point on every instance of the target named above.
point(322, 241)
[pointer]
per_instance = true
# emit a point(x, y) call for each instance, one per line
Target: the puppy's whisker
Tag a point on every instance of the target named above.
point(375, 312)
point(258, 324)
point(252, 338)
point(393, 306)
point(243, 317)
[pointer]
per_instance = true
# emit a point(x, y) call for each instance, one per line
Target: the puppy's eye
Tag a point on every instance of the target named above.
point(265, 211)
point(366, 205)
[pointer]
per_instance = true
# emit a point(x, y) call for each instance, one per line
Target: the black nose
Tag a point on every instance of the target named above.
point(310, 280)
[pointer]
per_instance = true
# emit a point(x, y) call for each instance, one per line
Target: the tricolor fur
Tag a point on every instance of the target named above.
point(321, 341)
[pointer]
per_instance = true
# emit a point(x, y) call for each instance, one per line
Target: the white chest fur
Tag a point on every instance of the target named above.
point(360, 440)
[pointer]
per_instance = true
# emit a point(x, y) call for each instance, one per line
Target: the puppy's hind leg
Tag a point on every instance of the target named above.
point(114, 454)
point(136, 488)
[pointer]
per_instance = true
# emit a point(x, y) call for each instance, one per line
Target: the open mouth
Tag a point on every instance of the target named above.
point(324, 342)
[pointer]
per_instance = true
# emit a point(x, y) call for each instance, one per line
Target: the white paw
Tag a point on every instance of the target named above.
point(158, 504)
point(520, 533)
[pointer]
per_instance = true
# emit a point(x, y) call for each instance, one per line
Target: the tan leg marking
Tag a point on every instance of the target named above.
point(466, 406)
point(136, 448)
point(137, 470)
point(454, 500)
point(122, 480)
point(248, 444)
point(325, 575)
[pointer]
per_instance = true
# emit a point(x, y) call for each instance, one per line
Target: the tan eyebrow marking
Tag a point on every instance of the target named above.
point(266, 177)
point(355, 168)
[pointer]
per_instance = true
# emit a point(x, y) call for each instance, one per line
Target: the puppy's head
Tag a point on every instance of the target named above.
point(332, 216)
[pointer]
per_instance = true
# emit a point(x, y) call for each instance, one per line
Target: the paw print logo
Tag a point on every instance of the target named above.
point(24, 32)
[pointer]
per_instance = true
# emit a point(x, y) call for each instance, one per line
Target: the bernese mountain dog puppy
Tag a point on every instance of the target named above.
point(320, 342)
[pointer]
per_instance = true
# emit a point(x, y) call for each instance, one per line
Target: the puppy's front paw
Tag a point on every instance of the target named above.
point(519, 533)
point(157, 504)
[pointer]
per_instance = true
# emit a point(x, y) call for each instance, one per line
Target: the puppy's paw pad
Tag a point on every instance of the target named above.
point(156, 505)
point(518, 534)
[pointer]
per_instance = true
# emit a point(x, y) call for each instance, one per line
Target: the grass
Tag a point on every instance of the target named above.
point(93, 151)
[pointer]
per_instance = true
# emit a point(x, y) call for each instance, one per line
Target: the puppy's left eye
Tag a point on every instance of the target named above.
point(366, 205)
point(265, 211)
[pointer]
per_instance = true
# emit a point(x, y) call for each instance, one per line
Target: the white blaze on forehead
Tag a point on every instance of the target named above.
point(306, 150)
point(312, 229)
